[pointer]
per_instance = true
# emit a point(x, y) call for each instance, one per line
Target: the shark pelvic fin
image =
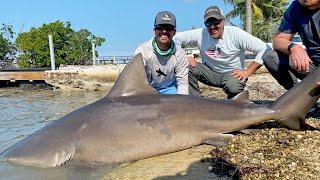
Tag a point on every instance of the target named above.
point(219, 140)
point(242, 98)
point(132, 80)
point(292, 123)
point(250, 131)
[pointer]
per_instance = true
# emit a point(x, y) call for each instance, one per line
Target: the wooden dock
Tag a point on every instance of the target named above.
point(30, 76)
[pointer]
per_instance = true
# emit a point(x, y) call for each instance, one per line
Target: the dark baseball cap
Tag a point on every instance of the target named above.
point(213, 12)
point(165, 17)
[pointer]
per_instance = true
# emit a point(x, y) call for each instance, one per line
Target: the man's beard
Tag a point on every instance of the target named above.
point(308, 3)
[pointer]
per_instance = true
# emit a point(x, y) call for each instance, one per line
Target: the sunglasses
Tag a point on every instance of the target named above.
point(166, 28)
point(209, 24)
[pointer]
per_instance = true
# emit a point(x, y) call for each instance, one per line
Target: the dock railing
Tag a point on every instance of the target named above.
point(114, 59)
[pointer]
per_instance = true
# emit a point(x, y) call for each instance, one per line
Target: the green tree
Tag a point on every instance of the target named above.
point(4, 47)
point(70, 47)
point(79, 47)
point(266, 15)
point(7, 47)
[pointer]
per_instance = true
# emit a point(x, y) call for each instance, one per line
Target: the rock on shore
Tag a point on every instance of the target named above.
point(75, 78)
point(97, 78)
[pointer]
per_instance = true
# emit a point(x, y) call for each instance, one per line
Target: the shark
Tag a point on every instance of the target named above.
point(133, 121)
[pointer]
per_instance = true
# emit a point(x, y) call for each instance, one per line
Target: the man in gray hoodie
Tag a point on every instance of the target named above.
point(166, 64)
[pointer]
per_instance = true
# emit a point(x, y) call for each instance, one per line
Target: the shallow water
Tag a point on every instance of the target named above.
point(24, 110)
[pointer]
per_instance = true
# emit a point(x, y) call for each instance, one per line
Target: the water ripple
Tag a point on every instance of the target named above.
point(26, 110)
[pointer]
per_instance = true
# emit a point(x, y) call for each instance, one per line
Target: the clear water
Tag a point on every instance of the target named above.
point(24, 110)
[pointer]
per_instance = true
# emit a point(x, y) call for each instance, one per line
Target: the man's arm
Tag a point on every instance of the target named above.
point(298, 55)
point(243, 75)
point(182, 75)
point(248, 42)
point(281, 41)
point(287, 29)
point(192, 60)
point(185, 37)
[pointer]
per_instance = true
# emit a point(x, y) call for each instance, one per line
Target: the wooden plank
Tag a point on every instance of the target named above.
point(23, 75)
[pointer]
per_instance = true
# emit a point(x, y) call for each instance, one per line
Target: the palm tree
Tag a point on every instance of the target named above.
point(260, 8)
point(248, 16)
point(265, 13)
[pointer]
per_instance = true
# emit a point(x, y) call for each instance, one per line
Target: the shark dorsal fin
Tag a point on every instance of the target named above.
point(242, 98)
point(132, 80)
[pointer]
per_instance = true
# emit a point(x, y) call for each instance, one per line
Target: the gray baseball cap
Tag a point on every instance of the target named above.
point(165, 17)
point(213, 12)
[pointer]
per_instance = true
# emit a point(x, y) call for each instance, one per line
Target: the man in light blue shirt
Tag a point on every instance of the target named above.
point(222, 49)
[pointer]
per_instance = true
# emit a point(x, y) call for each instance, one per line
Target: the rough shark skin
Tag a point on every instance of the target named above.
point(133, 122)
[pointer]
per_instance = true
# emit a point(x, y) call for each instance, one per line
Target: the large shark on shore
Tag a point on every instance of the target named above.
point(133, 122)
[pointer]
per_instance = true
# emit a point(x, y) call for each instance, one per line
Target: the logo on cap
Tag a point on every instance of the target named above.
point(215, 10)
point(166, 17)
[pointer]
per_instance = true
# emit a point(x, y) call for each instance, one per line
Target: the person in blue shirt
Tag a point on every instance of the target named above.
point(291, 61)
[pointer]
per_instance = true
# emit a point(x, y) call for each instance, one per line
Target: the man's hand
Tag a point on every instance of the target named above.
point(300, 58)
point(298, 55)
point(192, 60)
point(241, 75)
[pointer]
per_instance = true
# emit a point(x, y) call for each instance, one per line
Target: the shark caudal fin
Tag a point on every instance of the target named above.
point(291, 108)
point(132, 80)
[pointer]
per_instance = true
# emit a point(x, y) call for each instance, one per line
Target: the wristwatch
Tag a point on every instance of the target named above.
point(290, 46)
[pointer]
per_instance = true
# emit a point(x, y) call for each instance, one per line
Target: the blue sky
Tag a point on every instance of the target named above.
point(123, 23)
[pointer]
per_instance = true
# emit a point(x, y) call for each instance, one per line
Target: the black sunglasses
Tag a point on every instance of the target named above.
point(212, 23)
point(166, 28)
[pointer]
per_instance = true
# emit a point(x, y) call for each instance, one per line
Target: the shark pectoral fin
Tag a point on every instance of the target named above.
point(242, 98)
point(132, 80)
point(219, 140)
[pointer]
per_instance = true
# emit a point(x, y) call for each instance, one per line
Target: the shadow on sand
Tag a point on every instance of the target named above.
point(218, 169)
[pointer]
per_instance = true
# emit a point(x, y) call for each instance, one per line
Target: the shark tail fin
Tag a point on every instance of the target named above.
point(291, 108)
